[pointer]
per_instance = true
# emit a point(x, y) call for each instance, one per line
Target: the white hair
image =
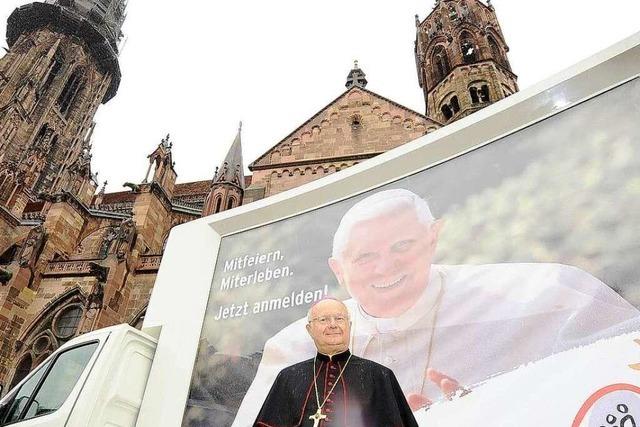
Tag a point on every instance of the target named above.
point(377, 205)
point(309, 318)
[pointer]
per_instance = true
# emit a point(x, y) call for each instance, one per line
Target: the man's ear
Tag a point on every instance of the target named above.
point(435, 231)
point(335, 266)
point(309, 329)
point(437, 225)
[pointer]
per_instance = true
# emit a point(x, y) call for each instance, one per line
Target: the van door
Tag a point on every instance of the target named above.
point(46, 397)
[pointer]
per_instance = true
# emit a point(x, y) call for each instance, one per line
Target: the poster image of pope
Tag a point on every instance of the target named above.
point(452, 276)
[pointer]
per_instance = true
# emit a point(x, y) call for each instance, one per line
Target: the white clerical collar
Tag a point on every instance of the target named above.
point(423, 306)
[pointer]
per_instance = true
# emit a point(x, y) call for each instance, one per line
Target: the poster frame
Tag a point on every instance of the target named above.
point(179, 299)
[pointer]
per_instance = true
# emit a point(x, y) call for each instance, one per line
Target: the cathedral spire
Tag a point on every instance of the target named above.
point(356, 77)
point(98, 23)
point(227, 186)
point(232, 168)
point(61, 64)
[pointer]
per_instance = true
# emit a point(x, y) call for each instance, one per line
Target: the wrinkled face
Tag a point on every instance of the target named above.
point(330, 327)
point(386, 263)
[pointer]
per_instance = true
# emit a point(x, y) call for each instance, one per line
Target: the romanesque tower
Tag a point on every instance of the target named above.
point(61, 65)
point(227, 185)
point(461, 59)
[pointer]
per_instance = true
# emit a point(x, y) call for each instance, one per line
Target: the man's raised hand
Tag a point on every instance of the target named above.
point(447, 385)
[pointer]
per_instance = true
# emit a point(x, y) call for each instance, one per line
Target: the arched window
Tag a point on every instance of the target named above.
point(484, 94)
point(23, 369)
point(66, 322)
point(218, 204)
point(479, 93)
point(450, 107)
point(455, 105)
point(55, 325)
point(473, 91)
point(468, 48)
point(42, 135)
point(446, 111)
point(53, 72)
point(230, 203)
point(356, 121)
point(68, 94)
point(41, 344)
point(440, 63)
point(496, 52)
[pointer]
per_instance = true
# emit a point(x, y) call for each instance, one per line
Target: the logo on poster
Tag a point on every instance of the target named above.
point(616, 405)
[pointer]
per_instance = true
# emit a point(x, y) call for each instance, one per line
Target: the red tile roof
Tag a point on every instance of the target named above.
point(199, 187)
point(192, 188)
point(119, 197)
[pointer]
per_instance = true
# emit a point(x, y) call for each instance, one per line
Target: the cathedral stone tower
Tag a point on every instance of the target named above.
point(227, 186)
point(61, 65)
point(461, 58)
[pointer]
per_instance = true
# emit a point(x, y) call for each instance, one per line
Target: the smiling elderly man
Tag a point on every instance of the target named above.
point(425, 320)
point(335, 388)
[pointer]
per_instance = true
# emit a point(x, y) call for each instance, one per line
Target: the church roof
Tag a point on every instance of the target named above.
point(117, 197)
point(344, 95)
point(192, 188)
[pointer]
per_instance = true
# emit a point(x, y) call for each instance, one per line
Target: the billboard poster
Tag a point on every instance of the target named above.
point(509, 254)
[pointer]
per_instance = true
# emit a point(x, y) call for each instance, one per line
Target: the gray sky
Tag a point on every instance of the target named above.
point(195, 68)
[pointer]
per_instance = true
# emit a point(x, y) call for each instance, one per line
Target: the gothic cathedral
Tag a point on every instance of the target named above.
point(74, 258)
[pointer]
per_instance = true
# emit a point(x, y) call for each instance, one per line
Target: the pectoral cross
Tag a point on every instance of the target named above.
point(317, 417)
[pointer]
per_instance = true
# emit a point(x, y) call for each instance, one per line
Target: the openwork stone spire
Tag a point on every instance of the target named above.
point(98, 23)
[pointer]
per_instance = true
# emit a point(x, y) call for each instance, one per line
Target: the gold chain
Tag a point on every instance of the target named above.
point(315, 382)
point(434, 322)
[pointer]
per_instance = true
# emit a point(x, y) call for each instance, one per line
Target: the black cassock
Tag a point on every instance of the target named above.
point(367, 395)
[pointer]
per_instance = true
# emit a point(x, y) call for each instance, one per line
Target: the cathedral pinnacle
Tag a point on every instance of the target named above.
point(356, 77)
point(232, 169)
point(166, 143)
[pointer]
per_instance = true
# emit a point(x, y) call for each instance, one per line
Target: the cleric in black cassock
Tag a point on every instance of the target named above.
point(335, 388)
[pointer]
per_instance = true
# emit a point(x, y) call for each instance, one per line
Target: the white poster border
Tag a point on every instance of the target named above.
point(179, 300)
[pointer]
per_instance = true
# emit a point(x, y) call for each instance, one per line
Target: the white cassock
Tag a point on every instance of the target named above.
point(472, 322)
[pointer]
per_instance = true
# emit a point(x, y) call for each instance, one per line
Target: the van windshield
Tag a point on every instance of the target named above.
point(48, 388)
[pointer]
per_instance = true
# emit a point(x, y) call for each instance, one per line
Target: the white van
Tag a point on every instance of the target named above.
point(97, 379)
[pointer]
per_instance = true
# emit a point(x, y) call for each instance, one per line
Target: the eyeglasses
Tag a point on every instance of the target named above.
point(340, 319)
